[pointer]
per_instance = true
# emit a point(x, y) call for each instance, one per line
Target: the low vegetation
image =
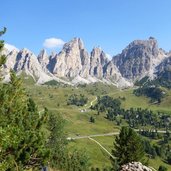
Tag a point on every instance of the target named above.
point(154, 93)
point(78, 100)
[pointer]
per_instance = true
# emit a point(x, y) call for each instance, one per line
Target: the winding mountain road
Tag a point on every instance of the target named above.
point(103, 135)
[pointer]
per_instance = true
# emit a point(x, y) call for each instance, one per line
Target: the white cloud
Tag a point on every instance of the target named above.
point(10, 47)
point(108, 56)
point(53, 43)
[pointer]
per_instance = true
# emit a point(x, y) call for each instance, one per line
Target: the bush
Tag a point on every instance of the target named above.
point(78, 100)
point(162, 168)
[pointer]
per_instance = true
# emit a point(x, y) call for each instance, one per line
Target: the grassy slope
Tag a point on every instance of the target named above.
point(77, 123)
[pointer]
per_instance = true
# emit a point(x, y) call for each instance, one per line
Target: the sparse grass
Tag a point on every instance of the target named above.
point(155, 163)
point(99, 158)
point(142, 101)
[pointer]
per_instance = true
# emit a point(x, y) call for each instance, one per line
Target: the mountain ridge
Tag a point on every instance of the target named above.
point(74, 65)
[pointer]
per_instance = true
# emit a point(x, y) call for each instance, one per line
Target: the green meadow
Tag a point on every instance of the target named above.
point(77, 118)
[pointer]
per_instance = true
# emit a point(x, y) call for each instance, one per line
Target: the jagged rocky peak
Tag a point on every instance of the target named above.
point(44, 60)
point(27, 62)
point(25, 53)
point(11, 58)
point(143, 46)
point(71, 60)
point(25, 58)
point(42, 55)
point(99, 55)
point(75, 43)
point(98, 59)
point(139, 59)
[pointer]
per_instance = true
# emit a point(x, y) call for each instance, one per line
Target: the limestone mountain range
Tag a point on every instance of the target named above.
point(75, 65)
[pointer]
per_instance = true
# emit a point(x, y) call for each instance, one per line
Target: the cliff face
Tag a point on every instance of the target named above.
point(98, 60)
point(26, 61)
point(73, 60)
point(164, 69)
point(139, 59)
point(74, 64)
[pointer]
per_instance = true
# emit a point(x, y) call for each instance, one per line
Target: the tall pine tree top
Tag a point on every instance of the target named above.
point(128, 146)
point(2, 57)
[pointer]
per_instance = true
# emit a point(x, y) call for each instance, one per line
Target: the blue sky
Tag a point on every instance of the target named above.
point(110, 24)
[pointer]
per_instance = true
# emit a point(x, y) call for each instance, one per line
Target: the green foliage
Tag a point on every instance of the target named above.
point(53, 83)
point(57, 141)
point(163, 79)
point(143, 81)
point(22, 143)
point(78, 100)
point(60, 157)
point(128, 146)
point(2, 57)
point(162, 168)
point(77, 161)
point(106, 103)
point(169, 158)
point(135, 117)
point(153, 92)
point(92, 119)
point(150, 149)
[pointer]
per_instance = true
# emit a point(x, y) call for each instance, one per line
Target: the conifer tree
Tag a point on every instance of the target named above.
point(22, 141)
point(128, 146)
point(2, 57)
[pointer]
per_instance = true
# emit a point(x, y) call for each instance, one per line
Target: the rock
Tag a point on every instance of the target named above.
point(72, 61)
point(11, 60)
point(139, 59)
point(164, 69)
point(112, 73)
point(134, 166)
point(43, 59)
point(98, 60)
point(75, 65)
point(26, 61)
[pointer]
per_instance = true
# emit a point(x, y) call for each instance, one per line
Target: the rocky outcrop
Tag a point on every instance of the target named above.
point(43, 59)
point(98, 60)
point(112, 73)
point(11, 60)
point(139, 59)
point(26, 61)
point(164, 69)
point(72, 61)
point(134, 166)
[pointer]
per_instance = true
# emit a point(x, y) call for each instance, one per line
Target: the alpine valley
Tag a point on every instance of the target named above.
point(91, 99)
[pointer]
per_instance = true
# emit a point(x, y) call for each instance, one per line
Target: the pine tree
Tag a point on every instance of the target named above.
point(22, 141)
point(57, 142)
point(2, 57)
point(128, 147)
